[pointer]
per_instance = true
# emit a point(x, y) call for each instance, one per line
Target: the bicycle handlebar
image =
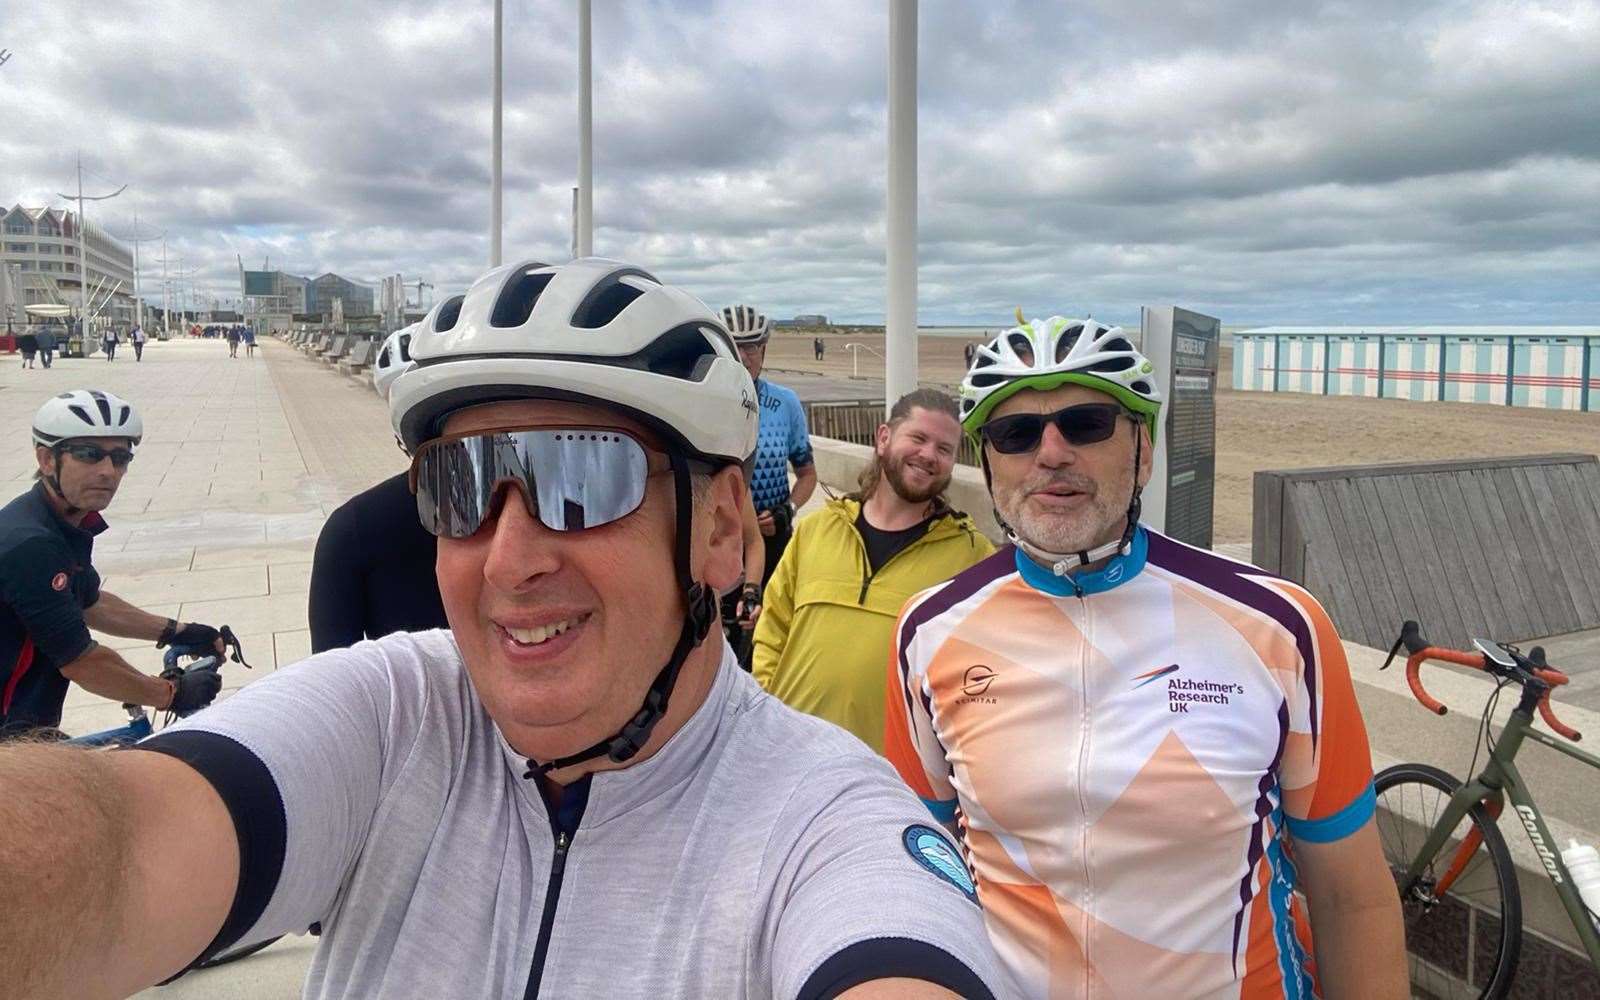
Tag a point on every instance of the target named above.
point(1531, 666)
point(205, 651)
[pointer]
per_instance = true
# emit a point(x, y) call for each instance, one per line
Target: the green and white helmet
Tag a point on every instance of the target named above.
point(1047, 353)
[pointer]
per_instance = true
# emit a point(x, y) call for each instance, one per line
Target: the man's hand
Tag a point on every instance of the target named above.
point(749, 607)
point(192, 689)
point(191, 634)
point(768, 526)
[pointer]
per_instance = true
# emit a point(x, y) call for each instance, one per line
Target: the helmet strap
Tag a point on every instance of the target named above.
point(54, 481)
point(701, 612)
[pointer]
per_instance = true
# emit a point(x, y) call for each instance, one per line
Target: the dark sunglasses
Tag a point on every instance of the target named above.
point(571, 479)
point(1086, 423)
point(93, 454)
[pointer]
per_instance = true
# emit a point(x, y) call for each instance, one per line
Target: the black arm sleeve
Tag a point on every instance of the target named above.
point(893, 958)
point(252, 798)
point(337, 609)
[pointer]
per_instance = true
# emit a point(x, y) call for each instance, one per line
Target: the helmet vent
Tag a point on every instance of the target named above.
point(1021, 347)
point(1115, 364)
point(609, 297)
point(984, 381)
point(518, 298)
point(448, 314)
point(605, 307)
point(682, 352)
point(405, 346)
point(122, 417)
point(1142, 387)
point(81, 414)
point(1065, 342)
point(1117, 345)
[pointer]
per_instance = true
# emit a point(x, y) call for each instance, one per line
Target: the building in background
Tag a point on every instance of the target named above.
point(357, 299)
point(40, 246)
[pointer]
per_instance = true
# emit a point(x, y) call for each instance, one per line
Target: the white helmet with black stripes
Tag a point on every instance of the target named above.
point(593, 330)
point(86, 413)
point(393, 358)
point(748, 327)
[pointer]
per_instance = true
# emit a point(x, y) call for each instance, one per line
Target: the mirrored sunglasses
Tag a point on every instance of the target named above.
point(571, 479)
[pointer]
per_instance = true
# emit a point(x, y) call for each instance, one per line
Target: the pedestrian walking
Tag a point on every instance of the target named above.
point(249, 341)
point(28, 344)
point(968, 352)
point(818, 347)
point(47, 344)
point(110, 343)
point(233, 342)
point(137, 337)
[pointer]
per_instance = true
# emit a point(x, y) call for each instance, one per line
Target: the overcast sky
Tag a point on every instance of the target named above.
point(1265, 162)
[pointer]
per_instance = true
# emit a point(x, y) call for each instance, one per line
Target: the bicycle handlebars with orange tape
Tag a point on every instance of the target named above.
point(1411, 638)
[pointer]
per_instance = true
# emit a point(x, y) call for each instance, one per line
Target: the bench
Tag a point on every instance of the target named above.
point(336, 348)
point(317, 345)
point(358, 358)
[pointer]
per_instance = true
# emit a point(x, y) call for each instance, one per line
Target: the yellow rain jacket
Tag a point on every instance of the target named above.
point(822, 641)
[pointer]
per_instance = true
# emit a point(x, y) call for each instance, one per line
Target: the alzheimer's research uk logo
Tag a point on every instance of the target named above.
point(1182, 692)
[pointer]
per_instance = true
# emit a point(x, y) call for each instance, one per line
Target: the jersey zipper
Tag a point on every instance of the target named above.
point(547, 921)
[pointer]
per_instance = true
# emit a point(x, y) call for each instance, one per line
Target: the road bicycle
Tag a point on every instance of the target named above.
point(1458, 886)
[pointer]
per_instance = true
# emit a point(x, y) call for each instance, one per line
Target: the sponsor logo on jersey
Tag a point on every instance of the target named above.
point(1154, 675)
point(933, 851)
point(976, 680)
point(59, 582)
point(1184, 693)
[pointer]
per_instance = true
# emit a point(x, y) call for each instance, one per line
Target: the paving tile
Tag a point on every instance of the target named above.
point(133, 564)
point(189, 585)
point(255, 555)
point(287, 578)
point(292, 647)
point(272, 613)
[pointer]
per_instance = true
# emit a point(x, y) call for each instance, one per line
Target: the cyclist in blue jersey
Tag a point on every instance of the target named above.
point(784, 440)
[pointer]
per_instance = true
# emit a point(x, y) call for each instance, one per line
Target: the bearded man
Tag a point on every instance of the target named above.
point(824, 634)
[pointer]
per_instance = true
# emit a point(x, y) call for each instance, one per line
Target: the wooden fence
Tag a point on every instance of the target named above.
point(1505, 548)
point(857, 422)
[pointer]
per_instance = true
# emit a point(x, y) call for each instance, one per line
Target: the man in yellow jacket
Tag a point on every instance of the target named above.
point(830, 608)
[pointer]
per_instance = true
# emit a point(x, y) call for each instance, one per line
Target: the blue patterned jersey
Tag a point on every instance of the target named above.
point(783, 439)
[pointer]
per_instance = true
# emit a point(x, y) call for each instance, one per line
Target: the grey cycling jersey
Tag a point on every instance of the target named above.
point(759, 853)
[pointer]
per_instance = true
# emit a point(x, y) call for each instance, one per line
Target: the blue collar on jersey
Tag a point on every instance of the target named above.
point(1120, 569)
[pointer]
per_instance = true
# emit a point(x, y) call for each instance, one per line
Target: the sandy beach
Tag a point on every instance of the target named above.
point(1258, 431)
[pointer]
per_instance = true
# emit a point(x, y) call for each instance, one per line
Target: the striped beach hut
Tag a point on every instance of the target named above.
point(1553, 367)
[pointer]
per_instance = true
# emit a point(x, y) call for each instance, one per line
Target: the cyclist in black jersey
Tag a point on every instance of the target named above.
point(372, 573)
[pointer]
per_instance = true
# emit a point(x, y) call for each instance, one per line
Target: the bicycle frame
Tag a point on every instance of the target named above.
point(1498, 780)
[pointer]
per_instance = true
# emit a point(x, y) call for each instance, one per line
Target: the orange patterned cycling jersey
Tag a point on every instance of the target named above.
point(1128, 755)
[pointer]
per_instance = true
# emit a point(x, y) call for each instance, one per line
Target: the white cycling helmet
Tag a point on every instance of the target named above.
point(86, 413)
point(592, 330)
point(748, 327)
point(1050, 352)
point(393, 358)
point(601, 332)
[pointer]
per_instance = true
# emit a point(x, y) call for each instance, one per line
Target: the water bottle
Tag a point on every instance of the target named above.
point(1583, 864)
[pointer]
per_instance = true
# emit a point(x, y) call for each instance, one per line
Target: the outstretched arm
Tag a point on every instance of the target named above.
point(118, 869)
